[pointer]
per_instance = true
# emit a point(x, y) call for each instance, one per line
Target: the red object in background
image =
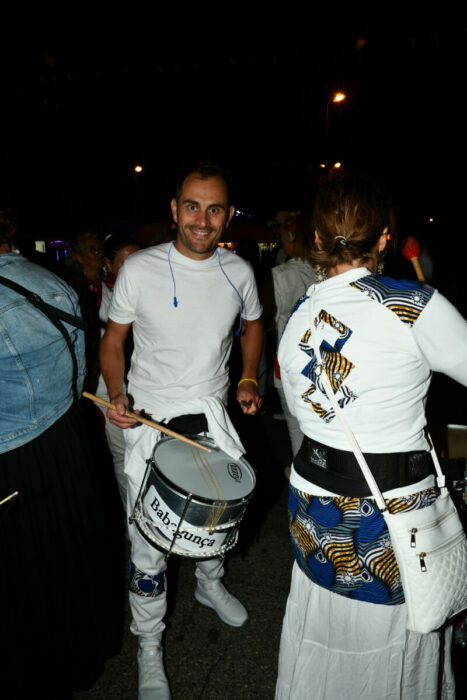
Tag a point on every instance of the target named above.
point(277, 369)
point(96, 289)
point(411, 248)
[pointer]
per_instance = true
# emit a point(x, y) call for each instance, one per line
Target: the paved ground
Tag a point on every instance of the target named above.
point(206, 659)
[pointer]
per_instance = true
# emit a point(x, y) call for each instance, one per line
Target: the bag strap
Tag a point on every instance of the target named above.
point(55, 316)
point(321, 373)
point(37, 301)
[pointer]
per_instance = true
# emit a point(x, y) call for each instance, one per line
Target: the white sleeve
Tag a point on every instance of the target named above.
point(283, 353)
point(441, 335)
point(288, 390)
point(252, 308)
point(124, 297)
point(105, 303)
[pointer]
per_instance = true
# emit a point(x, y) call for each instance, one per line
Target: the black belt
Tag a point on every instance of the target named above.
point(188, 424)
point(338, 470)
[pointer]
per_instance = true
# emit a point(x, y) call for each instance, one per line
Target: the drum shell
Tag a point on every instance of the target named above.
point(199, 512)
point(182, 516)
point(161, 540)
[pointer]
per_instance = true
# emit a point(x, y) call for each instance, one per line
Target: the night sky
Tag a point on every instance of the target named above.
point(77, 120)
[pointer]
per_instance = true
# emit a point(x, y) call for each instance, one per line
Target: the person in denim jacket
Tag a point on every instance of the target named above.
point(34, 358)
point(58, 625)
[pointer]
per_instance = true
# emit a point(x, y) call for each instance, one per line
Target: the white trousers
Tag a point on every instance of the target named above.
point(147, 566)
point(116, 442)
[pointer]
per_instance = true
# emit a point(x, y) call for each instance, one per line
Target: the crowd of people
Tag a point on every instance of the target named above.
point(154, 334)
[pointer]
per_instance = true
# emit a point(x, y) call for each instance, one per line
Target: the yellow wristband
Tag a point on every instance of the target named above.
point(247, 379)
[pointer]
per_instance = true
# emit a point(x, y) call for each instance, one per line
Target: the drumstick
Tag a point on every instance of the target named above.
point(8, 498)
point(151, 423)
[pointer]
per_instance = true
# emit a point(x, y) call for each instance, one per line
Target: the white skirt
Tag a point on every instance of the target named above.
point(333, 647)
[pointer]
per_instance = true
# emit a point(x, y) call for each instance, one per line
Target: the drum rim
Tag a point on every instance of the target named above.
point(219, 552)
point(195, 497)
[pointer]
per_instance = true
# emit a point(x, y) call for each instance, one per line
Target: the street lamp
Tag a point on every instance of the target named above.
point(339, 97)
point(336, 99)
point(138, 169)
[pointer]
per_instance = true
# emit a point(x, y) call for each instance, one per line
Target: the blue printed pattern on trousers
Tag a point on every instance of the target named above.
point(343, 544)
point(144, 584)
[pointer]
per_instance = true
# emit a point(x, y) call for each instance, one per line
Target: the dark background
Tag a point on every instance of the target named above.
point(78, 116)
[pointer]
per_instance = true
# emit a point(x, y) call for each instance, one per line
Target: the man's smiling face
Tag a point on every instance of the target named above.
point(201, 213)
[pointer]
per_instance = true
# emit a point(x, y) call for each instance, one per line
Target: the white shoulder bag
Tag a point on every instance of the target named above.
point(429, 543)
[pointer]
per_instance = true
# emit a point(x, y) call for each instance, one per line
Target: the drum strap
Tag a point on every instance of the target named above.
point(188, 424)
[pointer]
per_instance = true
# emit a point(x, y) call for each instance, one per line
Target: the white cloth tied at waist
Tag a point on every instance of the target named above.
point(220, 426)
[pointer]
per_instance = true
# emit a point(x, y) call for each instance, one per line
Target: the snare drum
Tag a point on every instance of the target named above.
point(191, 500)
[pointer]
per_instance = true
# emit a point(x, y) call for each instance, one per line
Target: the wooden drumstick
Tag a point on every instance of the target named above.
point(146, 421)
point(8, 498)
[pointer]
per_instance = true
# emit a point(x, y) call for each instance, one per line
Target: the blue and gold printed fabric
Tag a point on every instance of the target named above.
point(405, 298)
point(335, 364)
point(342, 543)
point(145, 585)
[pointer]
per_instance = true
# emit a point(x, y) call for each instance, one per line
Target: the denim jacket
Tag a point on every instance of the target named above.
point(36, 368)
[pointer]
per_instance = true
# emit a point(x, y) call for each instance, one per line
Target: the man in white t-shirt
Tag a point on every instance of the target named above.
point(182, 299)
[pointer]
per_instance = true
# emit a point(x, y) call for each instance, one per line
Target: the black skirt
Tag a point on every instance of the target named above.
point(60, 581)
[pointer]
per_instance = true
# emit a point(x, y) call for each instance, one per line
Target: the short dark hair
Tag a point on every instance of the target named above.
point(205, 169)
point(115, 242)
point(350, 206)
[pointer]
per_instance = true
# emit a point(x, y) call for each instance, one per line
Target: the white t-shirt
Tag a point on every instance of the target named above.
point(380, 339)
point(105, 305)
point(182, 351)
point(103, 316)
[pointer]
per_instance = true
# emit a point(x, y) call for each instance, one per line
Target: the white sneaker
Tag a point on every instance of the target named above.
point(215, 595)
point(152, 681)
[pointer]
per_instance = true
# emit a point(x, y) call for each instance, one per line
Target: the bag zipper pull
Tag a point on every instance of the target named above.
point(422, 556)
point(412, 536)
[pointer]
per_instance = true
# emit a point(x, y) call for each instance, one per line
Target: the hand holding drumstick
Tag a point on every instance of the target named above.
point(118, 412)
point(127, 419)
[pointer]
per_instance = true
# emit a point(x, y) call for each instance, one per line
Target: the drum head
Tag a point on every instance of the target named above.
point(210, 475)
